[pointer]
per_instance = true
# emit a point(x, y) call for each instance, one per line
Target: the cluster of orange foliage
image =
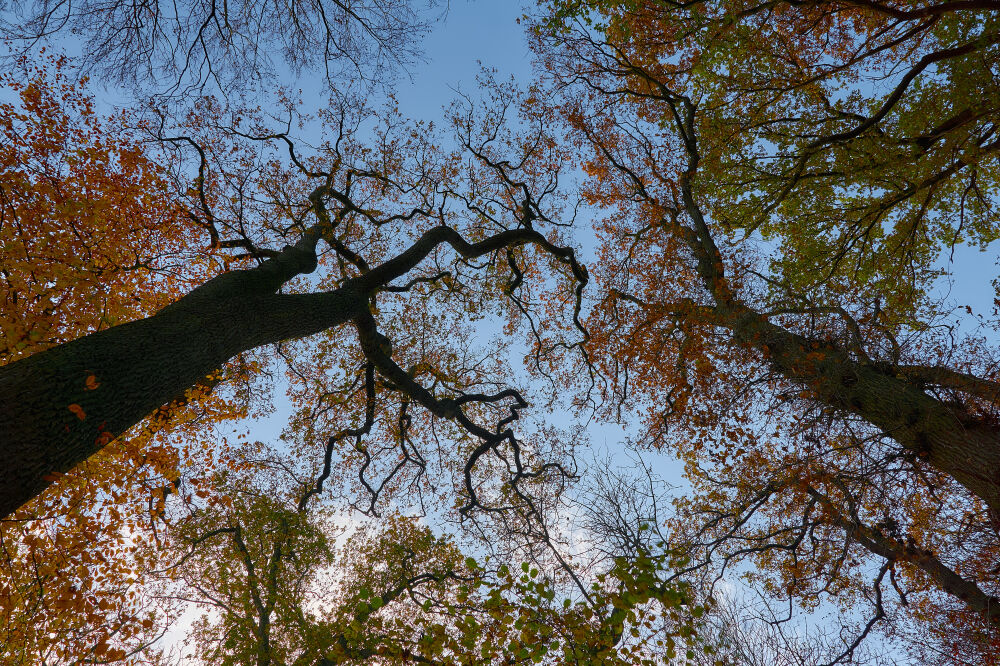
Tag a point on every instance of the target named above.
point(91, 236)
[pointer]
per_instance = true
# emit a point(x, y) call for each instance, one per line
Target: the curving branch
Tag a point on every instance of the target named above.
point(909, 552)
point(986, 390)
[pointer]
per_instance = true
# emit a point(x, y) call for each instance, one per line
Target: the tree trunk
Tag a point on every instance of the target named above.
point(59, 406)
point(944, 436)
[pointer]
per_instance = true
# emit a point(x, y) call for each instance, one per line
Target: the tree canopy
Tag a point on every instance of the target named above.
point(783, 184)
point(773, 195)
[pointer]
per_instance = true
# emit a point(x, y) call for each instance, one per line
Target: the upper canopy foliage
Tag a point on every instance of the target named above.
point(855, 136)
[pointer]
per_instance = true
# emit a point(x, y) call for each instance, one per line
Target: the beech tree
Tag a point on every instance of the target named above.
point(375, 233)
point(777, 185)
point(782, 184)
point(62, 404)
point(89, 237)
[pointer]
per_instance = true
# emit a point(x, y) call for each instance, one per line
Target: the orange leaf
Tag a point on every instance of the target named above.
point(78, 410)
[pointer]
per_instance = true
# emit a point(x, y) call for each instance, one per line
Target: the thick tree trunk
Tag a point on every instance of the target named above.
point(943, 436)
point(59, 406)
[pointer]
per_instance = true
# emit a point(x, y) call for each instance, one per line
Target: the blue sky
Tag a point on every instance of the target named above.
point(472, 31)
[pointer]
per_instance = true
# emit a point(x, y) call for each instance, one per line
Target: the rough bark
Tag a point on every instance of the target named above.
point(942, 435)
point(50, 420)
